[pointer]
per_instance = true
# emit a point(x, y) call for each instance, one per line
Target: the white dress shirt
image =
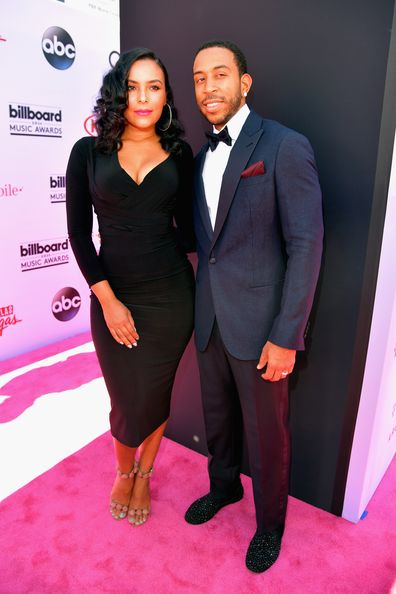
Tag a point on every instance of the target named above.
point(216, 162)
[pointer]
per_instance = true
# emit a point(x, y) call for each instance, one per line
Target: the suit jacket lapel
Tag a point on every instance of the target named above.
point(200, 191)
point(239, 157)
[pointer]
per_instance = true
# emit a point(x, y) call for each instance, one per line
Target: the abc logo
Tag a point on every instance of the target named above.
point(65, 304)
point(58, 48)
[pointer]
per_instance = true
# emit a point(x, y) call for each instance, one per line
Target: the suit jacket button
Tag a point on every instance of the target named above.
point(212, 261)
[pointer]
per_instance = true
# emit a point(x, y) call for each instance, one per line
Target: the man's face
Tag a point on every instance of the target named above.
point(219, 88)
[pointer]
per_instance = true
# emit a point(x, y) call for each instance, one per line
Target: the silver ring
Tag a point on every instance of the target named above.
point(285, 373)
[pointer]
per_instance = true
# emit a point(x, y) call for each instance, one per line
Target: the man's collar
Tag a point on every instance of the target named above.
point(235, 124)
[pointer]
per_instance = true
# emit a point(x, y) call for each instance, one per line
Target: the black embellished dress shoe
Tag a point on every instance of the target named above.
point(263, 550)
point(205, 508)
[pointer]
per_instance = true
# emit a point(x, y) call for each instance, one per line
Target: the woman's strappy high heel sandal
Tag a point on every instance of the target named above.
point(119, 510)
point(139, 516)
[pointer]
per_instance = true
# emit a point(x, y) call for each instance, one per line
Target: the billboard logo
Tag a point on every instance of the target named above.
point(65, 304)
point(58, 181)
point(57, 185)
point(34, 120)
point(7, 318)
point(90, 126)
point(9, 191)
point(43, 254)
point(58, 48)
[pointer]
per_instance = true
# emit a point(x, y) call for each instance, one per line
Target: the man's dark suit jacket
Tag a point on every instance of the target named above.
point(258, 268)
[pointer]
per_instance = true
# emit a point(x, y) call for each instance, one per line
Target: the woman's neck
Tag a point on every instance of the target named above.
point(136, 135)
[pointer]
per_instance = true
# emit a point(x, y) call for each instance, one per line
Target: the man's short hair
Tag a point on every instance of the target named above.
point(239, 56)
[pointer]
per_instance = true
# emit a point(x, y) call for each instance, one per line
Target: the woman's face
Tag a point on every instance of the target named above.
point(146, 94)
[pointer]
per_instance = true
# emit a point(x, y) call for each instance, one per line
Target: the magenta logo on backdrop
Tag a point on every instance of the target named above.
point(9, 190)
point(58, 48)
point(89, 125)
point(7, 318)
point(65, 304)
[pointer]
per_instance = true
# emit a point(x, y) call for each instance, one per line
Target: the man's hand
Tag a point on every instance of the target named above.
point(279, 362)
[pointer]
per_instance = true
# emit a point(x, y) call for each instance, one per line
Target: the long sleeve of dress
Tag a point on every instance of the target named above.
point(80, 212)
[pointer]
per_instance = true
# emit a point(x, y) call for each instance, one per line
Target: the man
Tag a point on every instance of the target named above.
point(258, 222)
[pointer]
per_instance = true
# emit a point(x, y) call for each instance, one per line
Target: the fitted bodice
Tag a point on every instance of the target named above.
point(136, 221)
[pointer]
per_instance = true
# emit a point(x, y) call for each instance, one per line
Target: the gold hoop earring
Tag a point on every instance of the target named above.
point(170, 119)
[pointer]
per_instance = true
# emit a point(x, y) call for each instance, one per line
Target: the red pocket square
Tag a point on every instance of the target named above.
point(255, 169)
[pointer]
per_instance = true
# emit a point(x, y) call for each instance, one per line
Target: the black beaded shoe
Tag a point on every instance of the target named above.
point(205, 508)
point(263, 550)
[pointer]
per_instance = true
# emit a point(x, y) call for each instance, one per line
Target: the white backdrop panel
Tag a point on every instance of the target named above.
point(374, 442)
point(46, 96)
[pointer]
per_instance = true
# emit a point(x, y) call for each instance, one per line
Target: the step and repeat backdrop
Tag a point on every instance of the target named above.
point(53, 55)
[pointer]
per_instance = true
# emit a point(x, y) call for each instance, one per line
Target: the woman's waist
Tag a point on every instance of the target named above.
point(142, 258)
point(139, 238)
point(154, 223)
point(143, 280)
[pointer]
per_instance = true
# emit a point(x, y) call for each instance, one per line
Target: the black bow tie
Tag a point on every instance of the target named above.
point(222, 136)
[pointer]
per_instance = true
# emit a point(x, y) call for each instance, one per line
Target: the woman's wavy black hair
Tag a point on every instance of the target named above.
point(113, 100)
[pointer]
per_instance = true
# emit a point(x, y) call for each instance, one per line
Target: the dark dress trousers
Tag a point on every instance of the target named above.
point(256, 278)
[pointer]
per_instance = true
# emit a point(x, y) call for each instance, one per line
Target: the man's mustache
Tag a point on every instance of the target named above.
point(211, 98)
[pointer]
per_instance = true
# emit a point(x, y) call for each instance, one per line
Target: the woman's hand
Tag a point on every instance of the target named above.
point(117, 316)
point(120, 323)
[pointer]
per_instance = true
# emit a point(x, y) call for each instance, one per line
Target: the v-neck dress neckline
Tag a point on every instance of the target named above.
point(147, 174)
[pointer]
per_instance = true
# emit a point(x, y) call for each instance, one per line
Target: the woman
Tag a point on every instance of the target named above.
point(136, 175)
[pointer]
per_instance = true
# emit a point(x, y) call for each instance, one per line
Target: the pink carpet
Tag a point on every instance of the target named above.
point(57, 537)
point(44, 351)
point(24, 390)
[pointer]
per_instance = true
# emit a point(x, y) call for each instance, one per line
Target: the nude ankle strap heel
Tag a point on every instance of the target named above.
point(119, 510)
point(143, 475)
point(126, 475)
point(139, 516)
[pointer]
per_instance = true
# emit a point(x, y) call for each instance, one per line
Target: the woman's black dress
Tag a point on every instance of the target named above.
point(142, 255)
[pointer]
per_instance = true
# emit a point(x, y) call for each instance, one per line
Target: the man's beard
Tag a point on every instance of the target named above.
point(221, 120)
